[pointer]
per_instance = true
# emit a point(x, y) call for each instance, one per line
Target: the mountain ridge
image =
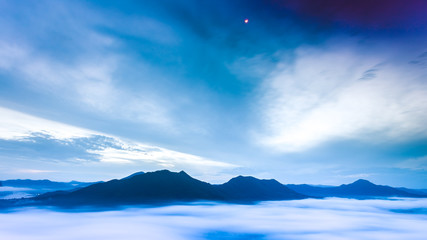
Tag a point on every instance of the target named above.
point(164, 186)
point(360, 188)
point(167, 186)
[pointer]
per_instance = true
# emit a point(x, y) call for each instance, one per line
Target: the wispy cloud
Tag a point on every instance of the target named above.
point(131, 153)
point(356, 176)
point(419, 163)
point(35, 171)
point(15, 125)
point(88, 64)
point(64, 144)
point(343, 91)
point(89, 82)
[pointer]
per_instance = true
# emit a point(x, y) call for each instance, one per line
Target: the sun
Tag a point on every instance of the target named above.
point(246, 20)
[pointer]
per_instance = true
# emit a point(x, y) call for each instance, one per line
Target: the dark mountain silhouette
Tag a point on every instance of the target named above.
point(313, 190)
point(163, 186)
point(358, 189)
point(133, 175)
point(152, 187)
point(252, 189)
point(166, 186)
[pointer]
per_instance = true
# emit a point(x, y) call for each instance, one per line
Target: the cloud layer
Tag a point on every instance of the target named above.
point(303, 219)
point(27, 137)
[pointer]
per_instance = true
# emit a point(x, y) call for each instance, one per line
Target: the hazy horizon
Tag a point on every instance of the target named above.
point(313, 184)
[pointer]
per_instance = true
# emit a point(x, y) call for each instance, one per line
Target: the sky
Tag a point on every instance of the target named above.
point(304, 92)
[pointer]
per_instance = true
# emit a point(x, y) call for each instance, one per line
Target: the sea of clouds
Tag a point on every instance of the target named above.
point(330, 219)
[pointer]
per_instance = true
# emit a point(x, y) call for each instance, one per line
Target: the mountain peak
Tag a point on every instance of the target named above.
point(362, 182)
point(168, 173)
point(133, 175)
point(251, 188)
point(252, 180)
point(240, 177)
point(243, 179)
point(161, 171)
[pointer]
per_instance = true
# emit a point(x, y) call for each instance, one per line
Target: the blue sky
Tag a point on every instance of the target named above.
point(304, 92)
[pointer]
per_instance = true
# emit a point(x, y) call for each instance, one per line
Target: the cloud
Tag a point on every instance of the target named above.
point(356, 176)
point(419, 163)
point(89, 83)
point(83, 62)
point(302, 219)
point(116, 151)
point(131, 153)
point(27, 137)
point(16, 125)
point(343, 90)
point(34, 171)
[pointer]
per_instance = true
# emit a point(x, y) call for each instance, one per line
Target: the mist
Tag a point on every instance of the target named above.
point(332, 218)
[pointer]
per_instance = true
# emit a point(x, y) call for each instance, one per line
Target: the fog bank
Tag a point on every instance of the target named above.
point(301, 219)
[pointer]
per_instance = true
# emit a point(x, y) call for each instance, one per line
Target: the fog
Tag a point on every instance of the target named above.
point(330, 219)
point(15, 192)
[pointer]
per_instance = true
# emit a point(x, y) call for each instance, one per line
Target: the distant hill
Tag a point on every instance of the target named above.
point(358, 189)
point(43, 184)
point(26, 188)
point(414, 191)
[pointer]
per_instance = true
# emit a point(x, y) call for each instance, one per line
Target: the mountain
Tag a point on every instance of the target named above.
point(414, 191)
point(133, 175)
point(252, 189)
point(363, 187)
point(152, 187)
point(165, 186)
point(310, 189)
point(358, 189)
